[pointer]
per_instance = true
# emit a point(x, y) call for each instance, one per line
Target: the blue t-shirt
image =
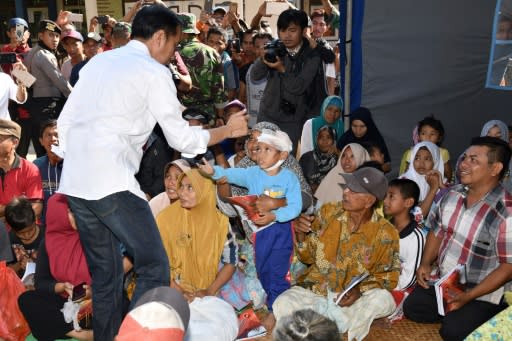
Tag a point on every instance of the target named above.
point(50, 177)
point(284, 184)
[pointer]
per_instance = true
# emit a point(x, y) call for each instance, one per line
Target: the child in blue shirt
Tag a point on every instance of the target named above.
point(274, 244)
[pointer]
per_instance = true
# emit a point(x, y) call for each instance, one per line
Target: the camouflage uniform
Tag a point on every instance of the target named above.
point(207, 73)
point(206, 70)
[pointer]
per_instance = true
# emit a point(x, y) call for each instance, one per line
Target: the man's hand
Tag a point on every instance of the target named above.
point(237, 124)
point(264, 218)
point(278, 65)
point(63, 18)
point(350, 297)
point(458, 301)
point(303, 223)
point(423, 275)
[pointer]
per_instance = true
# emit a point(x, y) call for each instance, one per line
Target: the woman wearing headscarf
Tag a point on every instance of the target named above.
point(197, 238)
point(363, 129)
point(61, 265)
point(426, 170)
point(172, 171)
point(318, 162)
point(352, 156)
point(492, 128)
point(330, 113)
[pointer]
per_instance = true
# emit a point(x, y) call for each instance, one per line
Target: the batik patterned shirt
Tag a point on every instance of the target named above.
point(335, 254)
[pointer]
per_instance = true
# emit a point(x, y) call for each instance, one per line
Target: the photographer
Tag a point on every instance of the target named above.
point(290, 65)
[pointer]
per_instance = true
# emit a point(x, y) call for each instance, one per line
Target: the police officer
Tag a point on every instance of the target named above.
point(51, 88)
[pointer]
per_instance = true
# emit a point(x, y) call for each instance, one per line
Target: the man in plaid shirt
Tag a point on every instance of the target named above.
point(472, 225)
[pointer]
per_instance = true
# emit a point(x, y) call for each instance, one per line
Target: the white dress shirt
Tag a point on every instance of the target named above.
point(109, 116)
point(8, 90)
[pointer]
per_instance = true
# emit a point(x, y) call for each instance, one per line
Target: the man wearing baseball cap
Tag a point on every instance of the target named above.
point(72, 42)
point(18, 45)
point(91, 45)
point(345, 240)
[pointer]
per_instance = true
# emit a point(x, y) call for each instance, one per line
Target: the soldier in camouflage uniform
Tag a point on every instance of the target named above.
point(205, 67)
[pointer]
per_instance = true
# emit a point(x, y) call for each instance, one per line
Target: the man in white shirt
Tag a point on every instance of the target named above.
point(106, 121)
point(10, 90)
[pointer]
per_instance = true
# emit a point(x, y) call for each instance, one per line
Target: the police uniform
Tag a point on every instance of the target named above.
point(51, 88)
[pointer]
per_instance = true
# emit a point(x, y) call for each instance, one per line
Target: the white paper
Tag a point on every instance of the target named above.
point(30, 269)
point(24, 77)
point(355, 281)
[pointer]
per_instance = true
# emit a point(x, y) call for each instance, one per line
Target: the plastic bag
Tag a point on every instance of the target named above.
point(13, 326)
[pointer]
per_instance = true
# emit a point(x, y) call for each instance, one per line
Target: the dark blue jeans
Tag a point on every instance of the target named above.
point(103, 224)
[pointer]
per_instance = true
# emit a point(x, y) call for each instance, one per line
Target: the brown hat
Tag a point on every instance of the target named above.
point(10, 128)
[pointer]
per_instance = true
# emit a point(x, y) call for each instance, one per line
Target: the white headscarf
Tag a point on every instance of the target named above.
point(413, 175)
point(329, 189)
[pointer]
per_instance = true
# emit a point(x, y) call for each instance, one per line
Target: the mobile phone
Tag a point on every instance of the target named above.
point(208, 6)
point(235, 44)
point(78, 292)
point(233, 7)
point(8, 58)
point(20, 31)
point(76, 17)
point(102, 19)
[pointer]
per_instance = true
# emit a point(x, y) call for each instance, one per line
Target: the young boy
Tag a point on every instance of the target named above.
point(402, 197)
point(49, 165)
point(274, 244)
point(25, 234)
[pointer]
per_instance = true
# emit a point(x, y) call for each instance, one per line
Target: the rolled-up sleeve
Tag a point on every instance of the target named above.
point(167, 112)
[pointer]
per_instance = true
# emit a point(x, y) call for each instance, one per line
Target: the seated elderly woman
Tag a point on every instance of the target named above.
point(197, 238)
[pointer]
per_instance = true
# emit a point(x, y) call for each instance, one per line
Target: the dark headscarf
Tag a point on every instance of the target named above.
point(372, 133)
point(316, 164)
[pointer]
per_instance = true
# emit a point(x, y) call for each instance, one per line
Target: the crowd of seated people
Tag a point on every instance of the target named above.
point(320, 210)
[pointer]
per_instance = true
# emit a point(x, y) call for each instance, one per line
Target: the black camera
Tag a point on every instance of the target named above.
point(274, 49)
point(8, 58)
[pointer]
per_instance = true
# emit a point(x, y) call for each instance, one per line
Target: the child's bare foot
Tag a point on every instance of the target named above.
point(269, 322)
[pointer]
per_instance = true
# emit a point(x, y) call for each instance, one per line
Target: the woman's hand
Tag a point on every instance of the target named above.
point(64, 287)
point(264, 203)
point(88, 292)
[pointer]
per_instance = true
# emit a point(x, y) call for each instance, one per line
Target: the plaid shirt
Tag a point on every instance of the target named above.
point(479, 236)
